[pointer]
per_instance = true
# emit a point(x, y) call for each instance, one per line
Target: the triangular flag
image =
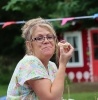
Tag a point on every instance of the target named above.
point(65, 20)
point(8, 23)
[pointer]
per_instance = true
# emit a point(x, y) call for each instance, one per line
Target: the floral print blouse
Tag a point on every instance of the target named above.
point(30, 67)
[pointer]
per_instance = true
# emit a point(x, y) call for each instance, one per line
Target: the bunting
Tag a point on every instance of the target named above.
point(8, 23)
point(63, 20)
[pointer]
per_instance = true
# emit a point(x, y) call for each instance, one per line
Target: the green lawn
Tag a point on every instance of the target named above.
point(3, 89)
point(82, 91)
point(83, 96)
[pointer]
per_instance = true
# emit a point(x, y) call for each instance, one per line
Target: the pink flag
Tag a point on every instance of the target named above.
point(8, 23)
point(65, 20)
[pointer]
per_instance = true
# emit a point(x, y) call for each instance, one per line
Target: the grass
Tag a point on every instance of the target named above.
point(83, 96)
point(78, 91)
point(82, 91)
point(3, 89)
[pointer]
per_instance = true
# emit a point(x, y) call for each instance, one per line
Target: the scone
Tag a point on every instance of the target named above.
point(65, 45)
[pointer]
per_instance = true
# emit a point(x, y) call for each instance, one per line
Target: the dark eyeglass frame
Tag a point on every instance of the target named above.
point(42, 38)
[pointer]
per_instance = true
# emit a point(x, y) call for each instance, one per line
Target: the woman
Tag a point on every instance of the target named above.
point(35, 76)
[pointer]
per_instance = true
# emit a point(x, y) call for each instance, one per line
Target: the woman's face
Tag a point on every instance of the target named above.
point(43, 43)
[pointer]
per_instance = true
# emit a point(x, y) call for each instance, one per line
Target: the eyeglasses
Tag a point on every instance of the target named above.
point(50, 38)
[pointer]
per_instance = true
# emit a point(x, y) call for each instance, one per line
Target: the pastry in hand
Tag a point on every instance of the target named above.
point(65, 45)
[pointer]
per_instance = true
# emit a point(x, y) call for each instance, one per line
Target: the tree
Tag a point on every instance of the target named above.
point(10, 36)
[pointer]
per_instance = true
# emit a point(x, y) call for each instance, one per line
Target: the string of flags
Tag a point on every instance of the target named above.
point(63, 20)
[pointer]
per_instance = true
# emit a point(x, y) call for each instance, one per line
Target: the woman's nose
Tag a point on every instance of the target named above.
point(46, 39)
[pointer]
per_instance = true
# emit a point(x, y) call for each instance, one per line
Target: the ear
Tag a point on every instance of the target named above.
point(28, 45)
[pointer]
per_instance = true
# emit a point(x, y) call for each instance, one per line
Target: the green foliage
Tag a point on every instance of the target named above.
point(3, 90)
point(7, 67)
point(10, 5)
point(60, 8)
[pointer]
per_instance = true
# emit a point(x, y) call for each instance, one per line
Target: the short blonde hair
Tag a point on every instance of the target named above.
point(31, 25)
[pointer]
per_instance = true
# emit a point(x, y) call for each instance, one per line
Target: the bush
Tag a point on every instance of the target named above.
point(7, 66)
